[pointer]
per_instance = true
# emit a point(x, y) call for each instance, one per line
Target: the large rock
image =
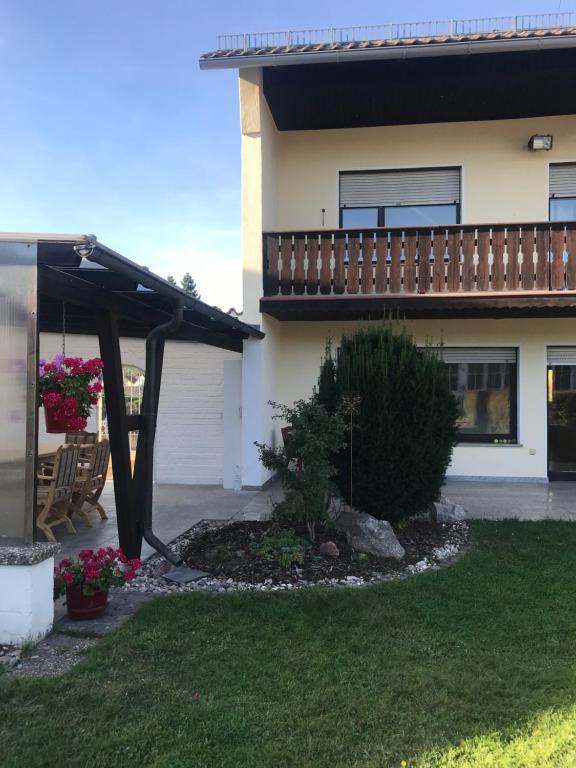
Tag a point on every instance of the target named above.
point(446, 511)
point(365, 533)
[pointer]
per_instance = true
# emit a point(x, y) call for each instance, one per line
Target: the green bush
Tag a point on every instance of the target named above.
point(402, 421)
point(304, 464)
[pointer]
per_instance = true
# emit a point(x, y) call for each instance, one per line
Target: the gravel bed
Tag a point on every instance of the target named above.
point(150, 577)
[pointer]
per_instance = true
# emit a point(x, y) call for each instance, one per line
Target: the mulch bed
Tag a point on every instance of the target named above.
point(227, 552)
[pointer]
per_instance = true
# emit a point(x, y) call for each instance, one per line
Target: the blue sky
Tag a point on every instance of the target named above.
point(109, 127)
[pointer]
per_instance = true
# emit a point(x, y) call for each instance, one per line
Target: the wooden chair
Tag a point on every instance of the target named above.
point(54, 491)
point(90, 483)
point(81, 438)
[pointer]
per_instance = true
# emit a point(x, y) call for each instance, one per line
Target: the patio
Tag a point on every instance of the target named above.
point(178, 507)
point(506, 500)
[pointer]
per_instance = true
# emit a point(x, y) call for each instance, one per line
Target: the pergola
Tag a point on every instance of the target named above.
point(45, 278)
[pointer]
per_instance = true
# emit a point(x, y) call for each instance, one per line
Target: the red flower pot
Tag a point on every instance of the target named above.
point(54, 425)
point(82, 607)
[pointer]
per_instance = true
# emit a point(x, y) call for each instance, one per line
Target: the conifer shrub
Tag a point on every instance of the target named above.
point(402, 420)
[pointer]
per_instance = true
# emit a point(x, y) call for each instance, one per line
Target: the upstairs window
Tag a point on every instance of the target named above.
point(419, 197)
point(563, 192)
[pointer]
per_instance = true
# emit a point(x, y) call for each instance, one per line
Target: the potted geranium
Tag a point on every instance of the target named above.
point(69, 387)
point(87, 580)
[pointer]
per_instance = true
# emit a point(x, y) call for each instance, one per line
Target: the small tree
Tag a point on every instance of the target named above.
point(188, 284)
point(404, 428)
point(304, 463)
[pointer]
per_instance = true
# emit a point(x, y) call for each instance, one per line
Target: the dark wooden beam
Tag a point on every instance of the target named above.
point(126, 510)
point(425, 306)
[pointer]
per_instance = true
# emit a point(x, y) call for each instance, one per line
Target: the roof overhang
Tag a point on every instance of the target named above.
point(88, 277)
point(292, 56)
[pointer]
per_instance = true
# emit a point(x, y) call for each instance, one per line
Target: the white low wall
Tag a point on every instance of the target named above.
point(26, 602)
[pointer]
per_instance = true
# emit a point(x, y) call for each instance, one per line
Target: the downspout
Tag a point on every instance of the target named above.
point(149, 415)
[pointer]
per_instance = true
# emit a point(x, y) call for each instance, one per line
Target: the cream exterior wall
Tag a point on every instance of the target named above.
point(501, 180)
point(302, 345)
point(288, 177)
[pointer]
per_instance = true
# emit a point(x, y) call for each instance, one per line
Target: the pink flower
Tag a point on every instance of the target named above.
point(67, 577)
point(85, 554)
point(129, 575)
point(135, 563)
point(52, 399)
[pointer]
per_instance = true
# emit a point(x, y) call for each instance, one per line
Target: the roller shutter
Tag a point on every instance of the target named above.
point(561, 355)
point(563, 180)
point(424, 186)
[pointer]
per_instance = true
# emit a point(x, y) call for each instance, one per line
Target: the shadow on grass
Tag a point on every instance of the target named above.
point(469, 666)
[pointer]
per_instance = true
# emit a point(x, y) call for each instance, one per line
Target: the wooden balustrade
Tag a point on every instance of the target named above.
point(443, 260)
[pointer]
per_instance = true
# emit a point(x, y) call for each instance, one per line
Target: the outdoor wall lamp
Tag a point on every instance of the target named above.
point(85, 250)
point(538, 142)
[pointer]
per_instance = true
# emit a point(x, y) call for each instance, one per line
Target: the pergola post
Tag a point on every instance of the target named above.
point(129, 535)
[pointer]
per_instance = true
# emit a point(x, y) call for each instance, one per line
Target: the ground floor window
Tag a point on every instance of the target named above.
point(484, 381)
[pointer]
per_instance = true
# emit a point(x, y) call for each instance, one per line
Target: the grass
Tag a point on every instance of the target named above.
point(470, 666)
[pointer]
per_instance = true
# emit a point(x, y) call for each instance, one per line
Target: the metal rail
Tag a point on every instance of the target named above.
point(331, 35)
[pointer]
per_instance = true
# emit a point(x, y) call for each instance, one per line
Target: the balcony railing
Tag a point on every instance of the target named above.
point(441, 260)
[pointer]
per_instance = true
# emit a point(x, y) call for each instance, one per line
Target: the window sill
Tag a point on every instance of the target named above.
point(489, 445)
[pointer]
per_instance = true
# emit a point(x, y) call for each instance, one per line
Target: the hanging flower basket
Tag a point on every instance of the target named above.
point(69, 387)
point(87, 581)
point(54, 422)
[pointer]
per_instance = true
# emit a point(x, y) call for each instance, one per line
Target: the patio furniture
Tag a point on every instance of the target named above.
point(54, 491)
point(81, 438)
point(90, 482)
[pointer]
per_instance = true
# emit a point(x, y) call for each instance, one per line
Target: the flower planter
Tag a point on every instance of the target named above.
point(82, 607)
point(54, 424)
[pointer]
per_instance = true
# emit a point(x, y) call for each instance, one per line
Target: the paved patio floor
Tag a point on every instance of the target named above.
point(178, 507)
point(494, 500)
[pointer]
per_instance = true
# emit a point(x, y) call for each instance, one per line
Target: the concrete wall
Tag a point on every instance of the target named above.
point(190, 437)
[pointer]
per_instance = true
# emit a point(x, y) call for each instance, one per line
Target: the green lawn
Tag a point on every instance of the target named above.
point(474, 665)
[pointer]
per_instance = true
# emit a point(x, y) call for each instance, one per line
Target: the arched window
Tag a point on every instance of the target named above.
point(133, 387)
point(133, 390)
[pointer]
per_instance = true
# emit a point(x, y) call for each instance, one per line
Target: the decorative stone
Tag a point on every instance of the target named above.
point(365, 533)
point(329, 549)
point(445, 511)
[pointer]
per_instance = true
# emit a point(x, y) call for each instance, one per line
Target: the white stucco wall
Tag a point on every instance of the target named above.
point(302, 345)
point(190, 435)
point(288, 177)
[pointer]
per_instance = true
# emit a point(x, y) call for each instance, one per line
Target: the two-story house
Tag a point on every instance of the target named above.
point(427, 170)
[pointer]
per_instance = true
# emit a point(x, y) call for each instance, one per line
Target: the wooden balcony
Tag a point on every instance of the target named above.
point(447, 271)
